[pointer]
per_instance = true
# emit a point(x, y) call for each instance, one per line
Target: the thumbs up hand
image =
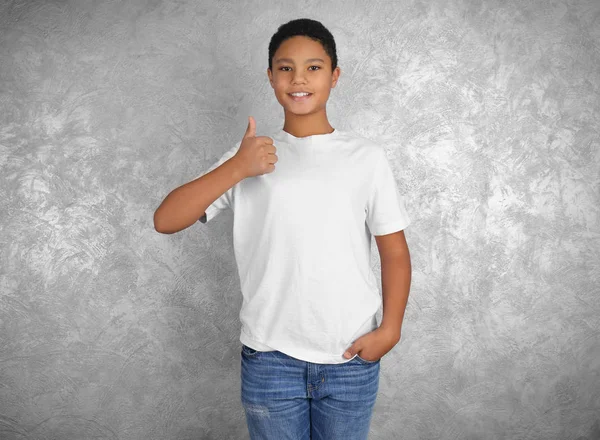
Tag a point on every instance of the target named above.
point(256, 154)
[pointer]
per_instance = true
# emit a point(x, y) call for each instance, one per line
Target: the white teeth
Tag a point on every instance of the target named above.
point(300, 94)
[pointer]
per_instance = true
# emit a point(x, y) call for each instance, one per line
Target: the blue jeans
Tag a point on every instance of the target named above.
point(285, 398)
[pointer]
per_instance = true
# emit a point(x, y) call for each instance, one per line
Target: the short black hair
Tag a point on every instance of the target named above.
point(306, 27)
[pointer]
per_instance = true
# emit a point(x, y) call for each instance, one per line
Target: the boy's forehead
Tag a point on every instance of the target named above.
point(300, 48)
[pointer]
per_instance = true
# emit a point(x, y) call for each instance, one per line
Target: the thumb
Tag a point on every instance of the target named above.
point(251, 130)
point(351, 351)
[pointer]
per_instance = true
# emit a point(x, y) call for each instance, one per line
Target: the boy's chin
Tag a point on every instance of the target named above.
point(296, 112)
point(299, 109)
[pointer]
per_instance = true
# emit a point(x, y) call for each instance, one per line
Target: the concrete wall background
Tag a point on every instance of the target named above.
point(490, 112)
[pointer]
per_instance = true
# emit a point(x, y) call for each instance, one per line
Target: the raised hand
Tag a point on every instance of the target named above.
point(256, 154)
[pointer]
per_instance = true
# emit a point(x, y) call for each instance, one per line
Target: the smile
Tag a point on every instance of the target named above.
point(300, 98)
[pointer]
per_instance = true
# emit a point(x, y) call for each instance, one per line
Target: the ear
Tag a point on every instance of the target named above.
point(335, 76)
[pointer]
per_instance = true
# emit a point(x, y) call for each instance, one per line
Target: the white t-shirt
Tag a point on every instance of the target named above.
point(302, 243)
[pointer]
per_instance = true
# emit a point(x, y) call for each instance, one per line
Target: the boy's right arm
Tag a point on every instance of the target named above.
point(187, 203)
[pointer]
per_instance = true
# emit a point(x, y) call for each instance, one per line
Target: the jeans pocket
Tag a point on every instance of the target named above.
point(249, 351)
point(365, 361)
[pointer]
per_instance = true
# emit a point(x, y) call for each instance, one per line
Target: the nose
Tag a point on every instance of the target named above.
point(299, 77)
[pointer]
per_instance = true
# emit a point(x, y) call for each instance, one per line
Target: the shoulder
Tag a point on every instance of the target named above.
point(365, 147)
point(355, 137)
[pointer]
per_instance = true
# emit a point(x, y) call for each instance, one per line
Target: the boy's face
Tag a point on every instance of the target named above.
point(296, 69)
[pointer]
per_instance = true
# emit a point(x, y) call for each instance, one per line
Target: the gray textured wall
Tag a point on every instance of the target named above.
point(490, 112)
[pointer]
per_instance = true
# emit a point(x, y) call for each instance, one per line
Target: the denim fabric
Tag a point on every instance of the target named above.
point(285, 398)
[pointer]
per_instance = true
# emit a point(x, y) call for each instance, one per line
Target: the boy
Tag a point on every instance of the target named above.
point(306, 202)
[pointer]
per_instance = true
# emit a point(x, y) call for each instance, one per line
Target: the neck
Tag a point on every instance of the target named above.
point(307, 125)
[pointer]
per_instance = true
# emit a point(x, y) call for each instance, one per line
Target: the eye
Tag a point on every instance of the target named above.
point(287, 67)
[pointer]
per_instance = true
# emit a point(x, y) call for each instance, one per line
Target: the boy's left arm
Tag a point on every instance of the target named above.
point(395, 280)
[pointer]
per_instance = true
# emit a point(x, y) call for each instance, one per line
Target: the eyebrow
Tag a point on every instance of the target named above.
point(289, 60)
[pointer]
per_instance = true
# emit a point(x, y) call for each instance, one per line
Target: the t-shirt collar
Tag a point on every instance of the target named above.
point(315, 139)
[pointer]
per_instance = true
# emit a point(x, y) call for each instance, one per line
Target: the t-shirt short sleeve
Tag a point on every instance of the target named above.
point(385, 208)
point(226, 199)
